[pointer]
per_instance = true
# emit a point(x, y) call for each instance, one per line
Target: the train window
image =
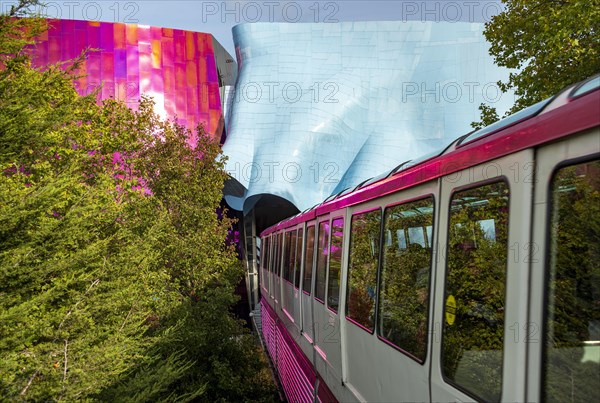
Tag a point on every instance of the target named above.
point(321, 267)
point(365, 231)
point(286, 253)
point(279, 246)
point(590, 85)
point(405, 271)
point(290, 252)
point(265, 251)
point(293, 256)
point(298, 259)
point(335, 263)
point(473, 329)
point(572, 328)
point(273, 253)
point(308, 258)
point(269, 255)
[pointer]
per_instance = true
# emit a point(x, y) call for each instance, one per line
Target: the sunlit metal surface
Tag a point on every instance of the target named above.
point(319, 108)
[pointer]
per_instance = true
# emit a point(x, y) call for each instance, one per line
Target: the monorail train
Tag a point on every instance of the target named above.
point(472, 274)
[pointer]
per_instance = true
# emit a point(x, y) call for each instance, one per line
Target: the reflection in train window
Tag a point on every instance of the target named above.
point(273, 253)
point(488, 228)
point(322, 253)
point(271, 262)
point(401, 239)
point(416, 235)
point(298, 259)
point(308, 258)
point(362, 268)
point(335, 263)
point(404, 292)
point(267, 250)
point(572, 349)
point(288, 256)
point(278, 251)
point(473, 331)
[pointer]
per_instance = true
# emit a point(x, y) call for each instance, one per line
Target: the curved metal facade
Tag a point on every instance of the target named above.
point(177, 68)
point(321, 107)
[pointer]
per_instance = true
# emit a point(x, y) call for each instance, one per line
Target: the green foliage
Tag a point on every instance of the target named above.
point(405, 276)
point(362, 267)
point(17, 33)
point(553, 44)
point(115, 279)
point(488, 116)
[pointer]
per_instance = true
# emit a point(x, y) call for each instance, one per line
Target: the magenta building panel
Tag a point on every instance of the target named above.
point(176, 68)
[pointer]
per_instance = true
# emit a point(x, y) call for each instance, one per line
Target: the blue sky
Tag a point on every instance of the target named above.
point(219, 16)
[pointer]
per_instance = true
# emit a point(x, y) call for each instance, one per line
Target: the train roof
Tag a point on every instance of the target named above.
point(574, 109)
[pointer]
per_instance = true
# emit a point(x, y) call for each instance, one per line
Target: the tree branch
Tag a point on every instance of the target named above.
point(126, 317)
point(66, 362)
point(95, 282)
point(35, 374)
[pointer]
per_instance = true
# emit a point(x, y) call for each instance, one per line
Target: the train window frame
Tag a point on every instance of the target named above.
point(548, 258)
point(431, 290)
point(580, 89)
point(469, 186)
point(316, 267)
point(312, 259)
point(377, 269)
point(340, 272)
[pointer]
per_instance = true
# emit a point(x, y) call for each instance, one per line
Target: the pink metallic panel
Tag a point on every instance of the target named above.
point(131, 33)
point(120, 63)
point(175, 67)
point(119, 36)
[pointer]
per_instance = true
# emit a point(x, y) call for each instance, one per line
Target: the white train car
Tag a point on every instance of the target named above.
point(472, 275)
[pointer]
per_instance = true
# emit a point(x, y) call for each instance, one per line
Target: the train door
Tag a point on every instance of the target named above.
point(278, 252)
point(287, 287)
point(388, 294)
point(481, 281)
point(271, 268)
point(296, 278)
point(264, 259)
point(307, 283)
point(266, 280)
point(564, 332)
point(326, 298)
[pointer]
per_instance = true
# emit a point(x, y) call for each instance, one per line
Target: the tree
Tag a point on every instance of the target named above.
point(115, 277)
point(552, 43)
